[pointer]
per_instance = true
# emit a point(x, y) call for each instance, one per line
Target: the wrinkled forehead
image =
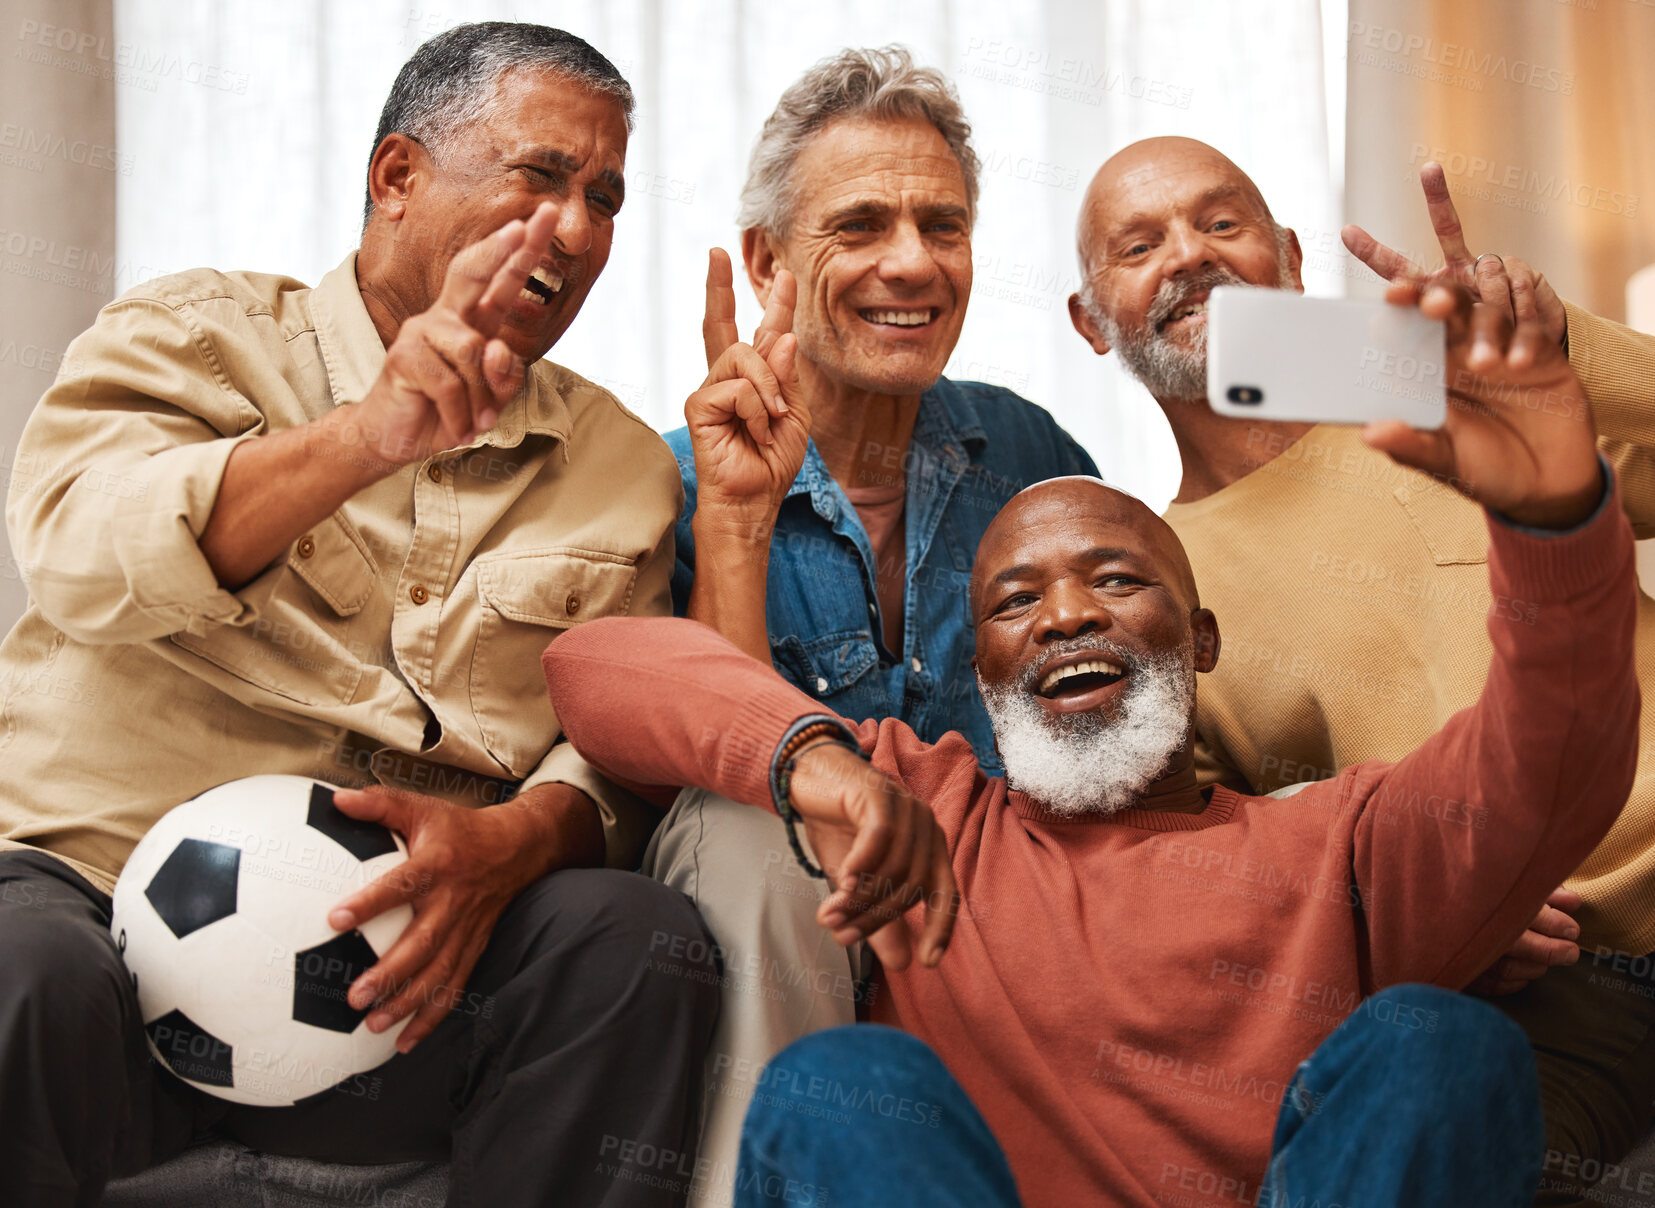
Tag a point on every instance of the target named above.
point(881, 159)
point(1152, 185)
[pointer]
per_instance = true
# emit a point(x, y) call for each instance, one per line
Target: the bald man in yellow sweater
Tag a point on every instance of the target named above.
point(1355, 595)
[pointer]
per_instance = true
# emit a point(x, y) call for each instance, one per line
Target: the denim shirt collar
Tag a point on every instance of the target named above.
point(947, 432)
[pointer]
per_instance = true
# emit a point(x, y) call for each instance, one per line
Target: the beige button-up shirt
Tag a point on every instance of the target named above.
point(398, 641)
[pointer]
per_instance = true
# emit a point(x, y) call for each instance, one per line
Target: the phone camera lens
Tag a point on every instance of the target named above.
point(1245, 394)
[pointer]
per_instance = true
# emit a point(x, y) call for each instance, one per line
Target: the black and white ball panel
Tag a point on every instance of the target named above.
point(195, 885)
point(221, 913)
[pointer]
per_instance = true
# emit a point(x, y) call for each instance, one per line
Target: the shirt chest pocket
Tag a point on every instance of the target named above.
point(828, 665)
point(1451, 526)
point(526, 599)
point(299, 646)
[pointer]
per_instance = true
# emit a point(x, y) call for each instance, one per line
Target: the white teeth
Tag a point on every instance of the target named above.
point(900, 318)
point(546, 277)
point(1090, 667)
point(1184, 312)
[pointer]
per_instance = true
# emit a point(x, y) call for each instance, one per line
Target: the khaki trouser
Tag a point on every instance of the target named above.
point(784, 976)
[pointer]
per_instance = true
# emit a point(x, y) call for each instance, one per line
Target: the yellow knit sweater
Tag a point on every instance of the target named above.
point(1352, 598)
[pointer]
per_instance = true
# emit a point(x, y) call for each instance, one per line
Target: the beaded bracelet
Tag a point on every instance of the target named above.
point(793, 744)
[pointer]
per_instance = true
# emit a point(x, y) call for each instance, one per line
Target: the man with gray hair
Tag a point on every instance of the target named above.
point(836, 487)
point(348, 520)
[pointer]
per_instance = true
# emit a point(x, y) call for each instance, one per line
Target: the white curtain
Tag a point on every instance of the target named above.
point(248, 129)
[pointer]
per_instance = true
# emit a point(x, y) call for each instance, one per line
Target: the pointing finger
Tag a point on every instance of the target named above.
point(778, 313)
point(1445, 220)
point(1387, 262)
point(508, 280)
point(718, 329)
point(473, 270)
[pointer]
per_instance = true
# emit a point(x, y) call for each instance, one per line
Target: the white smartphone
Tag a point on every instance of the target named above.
point(1276, 354)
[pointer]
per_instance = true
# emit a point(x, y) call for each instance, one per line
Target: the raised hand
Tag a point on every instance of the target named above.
point(748, 423)
point(1519, 436)
point(883, 851)
point(447, 375)
point(1496, 279)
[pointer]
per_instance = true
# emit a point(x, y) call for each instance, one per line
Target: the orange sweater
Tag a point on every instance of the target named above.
point(1125, 998)
point(1352, 593)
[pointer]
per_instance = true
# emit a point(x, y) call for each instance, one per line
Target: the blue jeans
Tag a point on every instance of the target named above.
point(1422, 1098)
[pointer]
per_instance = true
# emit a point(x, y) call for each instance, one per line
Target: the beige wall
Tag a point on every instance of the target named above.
point(59, 168)
point(1544, 115)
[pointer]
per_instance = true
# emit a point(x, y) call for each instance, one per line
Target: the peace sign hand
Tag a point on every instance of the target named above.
point(1504, 281)
point(1519, 437)
point(448, 374)
point(748, 423)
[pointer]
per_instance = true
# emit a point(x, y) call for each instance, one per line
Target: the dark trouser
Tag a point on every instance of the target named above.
point(574, 1041)
point(1592, 1025)
point(1422, 1098)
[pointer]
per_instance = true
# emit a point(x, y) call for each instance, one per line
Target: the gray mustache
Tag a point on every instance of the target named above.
point(1088, 642)
point(1172, 294)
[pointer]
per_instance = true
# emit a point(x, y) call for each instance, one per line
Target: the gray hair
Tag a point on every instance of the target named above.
point(882, 85)
point(450, 80)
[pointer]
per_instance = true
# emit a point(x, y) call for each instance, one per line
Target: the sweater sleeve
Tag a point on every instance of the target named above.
point(668, 701)
point(1617, 366)
point(1457, 845)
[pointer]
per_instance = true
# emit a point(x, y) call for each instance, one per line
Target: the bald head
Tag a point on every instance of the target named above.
point(1165, 222)
point(1155, 162)
point(1089, 637)
point(1075, 517)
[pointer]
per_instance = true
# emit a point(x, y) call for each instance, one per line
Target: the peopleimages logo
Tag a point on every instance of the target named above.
point(91, 53)
point(1469, 173)
point(1451, 56)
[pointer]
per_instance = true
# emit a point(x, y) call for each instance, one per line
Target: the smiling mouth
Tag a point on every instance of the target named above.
point(542, 286)
point(1079, 679)
point(1185, 310)
point(891, 317)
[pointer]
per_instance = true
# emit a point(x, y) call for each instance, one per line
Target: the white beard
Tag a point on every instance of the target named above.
point(1169, 369)
point(1077, 764)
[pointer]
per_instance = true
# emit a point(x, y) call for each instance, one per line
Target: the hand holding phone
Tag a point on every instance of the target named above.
point(1519, 436)
point(1275, 354)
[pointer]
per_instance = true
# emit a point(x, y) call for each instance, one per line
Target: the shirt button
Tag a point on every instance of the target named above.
point(821, 685)
point(418, 594)
point(307, 546)
point(572, 604)
point(435, 471)
point(917, 666)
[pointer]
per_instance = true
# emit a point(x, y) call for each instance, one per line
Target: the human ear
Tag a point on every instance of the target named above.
point(1204, 626)
point(1086, 326)
point(396, 170)
point(762, 260)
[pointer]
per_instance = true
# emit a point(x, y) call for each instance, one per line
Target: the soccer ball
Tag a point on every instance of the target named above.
point(222, 917)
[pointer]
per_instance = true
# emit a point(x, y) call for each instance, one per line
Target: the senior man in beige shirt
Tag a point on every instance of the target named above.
point(328, 532)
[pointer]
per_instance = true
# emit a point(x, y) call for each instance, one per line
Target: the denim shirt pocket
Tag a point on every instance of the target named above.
point(828, 665)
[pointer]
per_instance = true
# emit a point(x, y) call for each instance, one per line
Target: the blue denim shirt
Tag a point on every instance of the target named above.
point(974, 447)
